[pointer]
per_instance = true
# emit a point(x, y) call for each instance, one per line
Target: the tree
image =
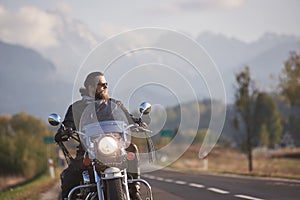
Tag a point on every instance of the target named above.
point(244, 102)
point(266, 114)
point(264, 135)
point(290, 89)
point(22, 151)
point(290, 81)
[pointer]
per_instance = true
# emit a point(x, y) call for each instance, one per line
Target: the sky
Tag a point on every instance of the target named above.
point(48, 26)
point(246, 20)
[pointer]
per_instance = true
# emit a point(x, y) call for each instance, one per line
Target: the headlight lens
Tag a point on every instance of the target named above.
point(107, 145)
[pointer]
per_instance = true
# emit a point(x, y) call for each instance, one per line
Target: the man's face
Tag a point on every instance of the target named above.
point(101, 91)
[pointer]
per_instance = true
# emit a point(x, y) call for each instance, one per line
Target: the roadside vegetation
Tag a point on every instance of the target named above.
point(284, 163)
point(22, 151)
point(274, 143)
point(261, 134)
point(24, 156)
point(31, 189)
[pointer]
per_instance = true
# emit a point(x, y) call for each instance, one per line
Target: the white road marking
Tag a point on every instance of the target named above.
point(159, 179)
point(247, 197)
point(180, 182)
point(218, 190)
point(169, 180)
point(149, 176)
point(196, 185)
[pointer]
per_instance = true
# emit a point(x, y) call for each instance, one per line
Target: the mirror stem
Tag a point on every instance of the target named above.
point(63, 126)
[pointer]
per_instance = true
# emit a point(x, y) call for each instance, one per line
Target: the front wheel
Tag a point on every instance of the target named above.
point(115, 190)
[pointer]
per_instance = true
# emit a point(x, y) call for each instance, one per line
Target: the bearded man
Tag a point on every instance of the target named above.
point(95, 89)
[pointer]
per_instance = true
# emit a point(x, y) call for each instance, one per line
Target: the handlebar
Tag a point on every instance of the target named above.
point(137, 128)
point(69, 133)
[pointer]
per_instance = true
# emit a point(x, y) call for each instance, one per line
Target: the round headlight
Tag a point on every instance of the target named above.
point(107, 145)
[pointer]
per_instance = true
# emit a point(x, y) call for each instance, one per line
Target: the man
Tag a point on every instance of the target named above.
point(95, 88)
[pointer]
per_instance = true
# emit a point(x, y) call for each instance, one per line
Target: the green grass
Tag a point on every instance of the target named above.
point(31, 190)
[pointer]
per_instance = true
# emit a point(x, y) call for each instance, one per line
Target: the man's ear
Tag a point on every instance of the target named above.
point(91, 90)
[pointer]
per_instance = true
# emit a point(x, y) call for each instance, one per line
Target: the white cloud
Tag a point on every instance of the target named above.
point(63, 7)
point(199, 5)
point(85, 33)
point(232, 4)
point(164, 8)
point(30, 27)
point(38, 29)
point(108, 29)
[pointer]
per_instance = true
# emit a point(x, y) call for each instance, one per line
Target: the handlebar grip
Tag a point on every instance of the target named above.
point(140, 129)
point(63, 134)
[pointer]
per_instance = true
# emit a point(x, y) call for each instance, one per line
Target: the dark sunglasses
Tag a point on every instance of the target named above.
point(102, 84)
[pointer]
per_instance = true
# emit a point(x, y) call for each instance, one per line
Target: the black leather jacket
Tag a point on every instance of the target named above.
point(74, 112)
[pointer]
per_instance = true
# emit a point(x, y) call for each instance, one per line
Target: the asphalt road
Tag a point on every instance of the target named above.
point(167, 184)
point(174, 185)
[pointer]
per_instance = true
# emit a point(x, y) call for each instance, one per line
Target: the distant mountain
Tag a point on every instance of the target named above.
point(76, 40)
point(265, 57)
point(270, 62)
point(28, 83)
point(41, 80)
point(27, 61)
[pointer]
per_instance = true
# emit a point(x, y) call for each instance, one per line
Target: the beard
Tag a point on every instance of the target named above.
point(101, 95)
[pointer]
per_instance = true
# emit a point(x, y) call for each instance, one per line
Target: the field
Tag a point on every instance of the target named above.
point(283, 163)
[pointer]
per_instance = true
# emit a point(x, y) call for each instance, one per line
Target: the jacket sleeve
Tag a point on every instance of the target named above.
point(68, 123)
point(69, 119)
point(130, 117)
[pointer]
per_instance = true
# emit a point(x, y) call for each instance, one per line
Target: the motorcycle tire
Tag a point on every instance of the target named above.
point(115, 189)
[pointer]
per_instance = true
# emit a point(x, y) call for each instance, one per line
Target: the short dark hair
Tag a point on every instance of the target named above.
point(89, 80)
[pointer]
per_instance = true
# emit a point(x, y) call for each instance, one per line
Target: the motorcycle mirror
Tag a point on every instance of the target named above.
point(145, 108)
point(54, 119)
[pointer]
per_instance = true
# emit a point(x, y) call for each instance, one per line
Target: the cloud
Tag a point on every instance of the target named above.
point(197, 5)
point(63, 7)
point(108, 29)
point(194, 5)
point(232, 4)
point(40, 30)
point(30, 26)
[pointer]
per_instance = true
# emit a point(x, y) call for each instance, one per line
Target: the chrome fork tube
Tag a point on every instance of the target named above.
point(98, 182)
point(125, 184)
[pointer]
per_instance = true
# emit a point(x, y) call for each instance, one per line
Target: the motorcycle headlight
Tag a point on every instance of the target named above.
point(107, 145)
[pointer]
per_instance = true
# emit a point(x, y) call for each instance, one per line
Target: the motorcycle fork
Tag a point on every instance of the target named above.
point(125, 184)
point(98, 182)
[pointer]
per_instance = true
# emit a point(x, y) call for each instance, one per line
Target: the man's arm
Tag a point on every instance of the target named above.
point(130, 117)
point(69, 119)
point(61, 134)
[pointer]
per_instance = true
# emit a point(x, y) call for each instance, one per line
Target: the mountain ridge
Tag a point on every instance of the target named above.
point(264, 56)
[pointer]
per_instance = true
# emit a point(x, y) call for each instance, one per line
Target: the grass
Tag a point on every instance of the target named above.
point(283, 163)
point(30, 190)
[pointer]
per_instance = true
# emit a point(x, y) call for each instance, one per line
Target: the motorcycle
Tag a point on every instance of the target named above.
point(104, 137)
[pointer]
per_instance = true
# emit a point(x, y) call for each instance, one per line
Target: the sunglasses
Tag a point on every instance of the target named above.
point(102, 84)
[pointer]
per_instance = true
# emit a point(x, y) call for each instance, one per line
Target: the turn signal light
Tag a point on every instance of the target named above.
point(130, 156)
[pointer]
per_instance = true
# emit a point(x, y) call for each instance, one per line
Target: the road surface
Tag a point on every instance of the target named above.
point(168, 184)
point(174, 185)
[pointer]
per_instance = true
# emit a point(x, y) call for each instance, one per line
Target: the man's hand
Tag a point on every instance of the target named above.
point(143, 124)
point(63, 135)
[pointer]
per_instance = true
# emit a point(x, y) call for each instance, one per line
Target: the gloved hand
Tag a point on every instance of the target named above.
point(139, 122)
point(143, 124)
point(63, 135)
